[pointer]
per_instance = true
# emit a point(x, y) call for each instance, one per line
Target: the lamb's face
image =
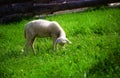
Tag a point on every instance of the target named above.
point(63, 41)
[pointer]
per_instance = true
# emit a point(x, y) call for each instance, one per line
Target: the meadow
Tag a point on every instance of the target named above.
point(94, 52)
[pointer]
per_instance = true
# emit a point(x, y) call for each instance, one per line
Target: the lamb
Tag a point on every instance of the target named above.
point(44, 28)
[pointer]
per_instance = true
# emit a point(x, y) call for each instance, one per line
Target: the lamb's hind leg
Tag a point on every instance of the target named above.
point(32, 45)
point(26, 47)
point(29, 42)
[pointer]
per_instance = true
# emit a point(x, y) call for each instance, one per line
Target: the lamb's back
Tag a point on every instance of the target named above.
point(44, 27)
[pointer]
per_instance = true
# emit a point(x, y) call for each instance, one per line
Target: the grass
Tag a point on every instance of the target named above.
point(94, 53)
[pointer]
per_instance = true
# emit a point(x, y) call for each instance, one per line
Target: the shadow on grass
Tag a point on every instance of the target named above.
point(9, 55)
point(107, 68)
point(4, 71)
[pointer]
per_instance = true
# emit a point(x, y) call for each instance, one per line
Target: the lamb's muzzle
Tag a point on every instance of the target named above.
point(44, 28)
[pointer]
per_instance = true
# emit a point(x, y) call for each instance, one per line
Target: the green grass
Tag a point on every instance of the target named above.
point(94, 52)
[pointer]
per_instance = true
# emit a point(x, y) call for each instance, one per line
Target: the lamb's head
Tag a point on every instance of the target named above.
point(62, 41)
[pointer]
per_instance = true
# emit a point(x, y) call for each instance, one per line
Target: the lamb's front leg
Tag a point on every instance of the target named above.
point(54, 46)
point(54, 43)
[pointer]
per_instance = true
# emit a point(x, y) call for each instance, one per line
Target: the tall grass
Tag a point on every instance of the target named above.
point(94, 53)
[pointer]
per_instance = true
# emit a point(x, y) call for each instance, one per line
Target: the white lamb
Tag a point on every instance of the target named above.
point(44, 28)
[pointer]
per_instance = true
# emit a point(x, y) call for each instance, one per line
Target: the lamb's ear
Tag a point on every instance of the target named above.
point(68, 41)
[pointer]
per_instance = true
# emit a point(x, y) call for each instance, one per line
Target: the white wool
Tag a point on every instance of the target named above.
point(44, 28)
